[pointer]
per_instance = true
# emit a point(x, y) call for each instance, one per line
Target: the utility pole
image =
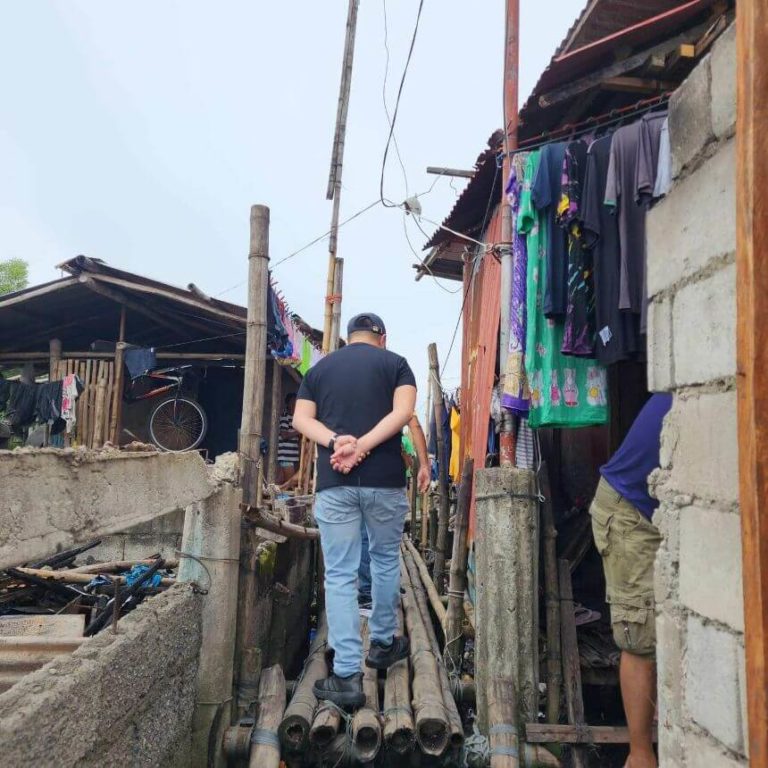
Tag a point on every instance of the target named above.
point(511, 64)
point(332, 294)
point(247, 658)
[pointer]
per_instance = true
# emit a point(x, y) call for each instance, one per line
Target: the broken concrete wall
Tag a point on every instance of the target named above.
point(692, 353)
point(159, 536)
point(122, 699)
point(53, 499)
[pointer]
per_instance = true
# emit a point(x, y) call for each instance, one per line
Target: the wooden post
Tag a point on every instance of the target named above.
point(454, 621)
point(54, 346)
point(552, 597)
point(247, 655)
point(752, 300)
point(571, 664)
point(333, 298)
point(117, 395)
point(443, 514)
point(265, 745)
point(274, 424)
point(424, 520)
point(506, 586)
point(503, 736)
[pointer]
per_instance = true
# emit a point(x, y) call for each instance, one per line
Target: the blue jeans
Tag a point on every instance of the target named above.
point(339, 513)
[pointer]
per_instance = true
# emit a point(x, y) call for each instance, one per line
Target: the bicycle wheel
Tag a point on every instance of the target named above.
point(178, 424)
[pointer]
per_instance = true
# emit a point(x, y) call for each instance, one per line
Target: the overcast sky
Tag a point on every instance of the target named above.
point(140, 133)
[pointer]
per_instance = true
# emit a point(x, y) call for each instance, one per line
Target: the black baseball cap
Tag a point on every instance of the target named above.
point(367, 321)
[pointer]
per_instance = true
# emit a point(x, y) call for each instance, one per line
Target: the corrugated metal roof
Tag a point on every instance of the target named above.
point(85, 307)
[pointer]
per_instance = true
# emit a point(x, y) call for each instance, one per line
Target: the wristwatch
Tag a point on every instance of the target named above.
point(332, 443)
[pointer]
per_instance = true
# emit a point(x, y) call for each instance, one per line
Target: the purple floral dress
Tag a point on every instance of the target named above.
point(516, 395)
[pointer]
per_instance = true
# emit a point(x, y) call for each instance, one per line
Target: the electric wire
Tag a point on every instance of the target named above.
point(387, 203)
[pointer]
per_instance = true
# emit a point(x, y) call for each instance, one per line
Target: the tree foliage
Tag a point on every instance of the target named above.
point(14, 275)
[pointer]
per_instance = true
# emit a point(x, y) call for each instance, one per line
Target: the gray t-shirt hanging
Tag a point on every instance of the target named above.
point(620, 195)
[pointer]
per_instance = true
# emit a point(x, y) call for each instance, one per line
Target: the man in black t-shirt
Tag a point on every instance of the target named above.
point(354, 404)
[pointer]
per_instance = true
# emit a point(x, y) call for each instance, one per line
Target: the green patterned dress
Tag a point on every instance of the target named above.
point(565, 391)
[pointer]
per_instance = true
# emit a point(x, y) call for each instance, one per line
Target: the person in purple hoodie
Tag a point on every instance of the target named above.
point(627, 541)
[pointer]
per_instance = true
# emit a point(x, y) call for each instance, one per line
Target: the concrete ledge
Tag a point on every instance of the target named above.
point(54, 499)
point(120, 699)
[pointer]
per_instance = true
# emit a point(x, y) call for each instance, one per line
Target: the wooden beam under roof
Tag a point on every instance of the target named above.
point(619, 68)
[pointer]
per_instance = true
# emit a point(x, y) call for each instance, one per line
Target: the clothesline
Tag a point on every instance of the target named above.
point(573, 130)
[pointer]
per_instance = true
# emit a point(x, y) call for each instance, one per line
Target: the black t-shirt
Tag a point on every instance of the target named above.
point(353, 389)
point(618, 335)
point(545, 194)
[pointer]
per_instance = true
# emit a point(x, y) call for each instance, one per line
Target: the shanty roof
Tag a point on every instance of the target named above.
point(85, 306)
point(605, 42)
point(616, 53)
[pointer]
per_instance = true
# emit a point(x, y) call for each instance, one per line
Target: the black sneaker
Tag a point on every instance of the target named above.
point(344, 692)
point(384, 656)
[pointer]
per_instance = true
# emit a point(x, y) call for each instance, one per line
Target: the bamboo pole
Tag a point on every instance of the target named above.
point(325, 727)
point(398, 714)
point(338, 283)
point(101, 402)
point(117, 395)
point(571, 664)
point(297, 721)
point(442, 525)
point(552, 597)
point(425, 579)
point(274, 419)
point(281, 527)
point(456, 729)
point(119, 565)
point(77, 577)
point(432, 729)
point(265, 744)
point(366, 726)
point(454, 620)
point(247, 658)
point(334, 179)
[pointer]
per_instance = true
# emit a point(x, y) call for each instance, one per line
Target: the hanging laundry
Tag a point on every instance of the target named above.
point(565, 392)
point(140, 360)
point(647, 161)
point(621, 197)
point(664, 168)
point(454, 464)
point(618, 333)
point(71, 389)
point(545, 193)
point(579, 333)
point(525, 457)
point(516, 394)
point(306, 357)
point(21, 404)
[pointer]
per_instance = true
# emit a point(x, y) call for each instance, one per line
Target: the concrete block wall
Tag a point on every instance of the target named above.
point(692, 353)
point(123, 700)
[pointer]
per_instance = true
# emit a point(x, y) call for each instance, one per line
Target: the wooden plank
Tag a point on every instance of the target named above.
point(42, 626)
point(752, 355)
point(574, 699)
point(618, 68)
point(542, 733)
point(638, 85)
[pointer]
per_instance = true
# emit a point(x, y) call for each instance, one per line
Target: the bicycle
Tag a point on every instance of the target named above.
point(178, 422)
